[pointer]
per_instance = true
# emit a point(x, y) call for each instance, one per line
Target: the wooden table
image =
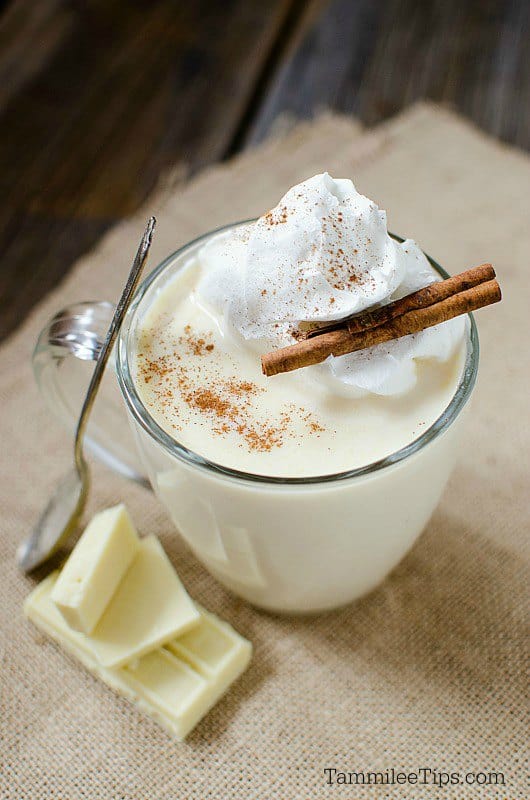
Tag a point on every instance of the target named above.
point(99, 98)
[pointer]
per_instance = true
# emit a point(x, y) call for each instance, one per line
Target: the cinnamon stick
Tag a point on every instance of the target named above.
point(434, 293)
point(341, 341)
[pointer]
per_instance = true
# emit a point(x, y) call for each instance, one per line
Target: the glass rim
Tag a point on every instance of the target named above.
point(142, 416)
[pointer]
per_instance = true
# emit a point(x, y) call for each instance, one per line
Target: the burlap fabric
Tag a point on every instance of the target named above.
point(428, 671)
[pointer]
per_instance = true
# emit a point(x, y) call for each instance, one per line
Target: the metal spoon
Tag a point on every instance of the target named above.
point(62, 514)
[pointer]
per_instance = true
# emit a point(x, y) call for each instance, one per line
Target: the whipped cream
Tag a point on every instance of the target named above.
point(323, 253)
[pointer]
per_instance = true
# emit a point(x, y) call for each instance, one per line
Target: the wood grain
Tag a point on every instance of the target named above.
point(124, 91)
point(374, 57)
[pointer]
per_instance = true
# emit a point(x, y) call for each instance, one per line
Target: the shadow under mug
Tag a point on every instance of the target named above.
point(293, 545)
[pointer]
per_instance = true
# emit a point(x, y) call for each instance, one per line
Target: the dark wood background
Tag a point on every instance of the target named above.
point(99, 97)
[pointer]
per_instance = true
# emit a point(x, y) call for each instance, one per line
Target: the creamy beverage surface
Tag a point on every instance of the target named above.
point(322, 254)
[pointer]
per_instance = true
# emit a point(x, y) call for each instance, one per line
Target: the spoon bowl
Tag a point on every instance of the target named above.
point(58, 522)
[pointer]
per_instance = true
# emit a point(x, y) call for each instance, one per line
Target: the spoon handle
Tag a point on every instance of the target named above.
point(121, 309)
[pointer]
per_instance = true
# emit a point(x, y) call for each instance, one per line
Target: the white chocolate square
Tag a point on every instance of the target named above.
point(95, 568)
point(149, 608)
point(210, 647)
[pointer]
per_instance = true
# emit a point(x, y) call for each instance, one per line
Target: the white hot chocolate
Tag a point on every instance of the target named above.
point(322, 254)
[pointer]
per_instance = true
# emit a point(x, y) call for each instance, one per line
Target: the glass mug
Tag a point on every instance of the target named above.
point(285, 544)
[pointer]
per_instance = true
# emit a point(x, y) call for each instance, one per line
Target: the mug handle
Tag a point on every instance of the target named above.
point(62, 358)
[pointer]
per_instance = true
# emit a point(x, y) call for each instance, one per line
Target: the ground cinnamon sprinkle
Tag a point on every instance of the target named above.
point(241, 388)
point(276, 216)
point(227, 402)
point(196, 344)
point(265, 439)
point(206, 400)
point(315, 427)
point(312, 424)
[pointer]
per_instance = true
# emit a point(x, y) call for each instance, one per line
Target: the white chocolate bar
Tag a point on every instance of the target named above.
point(164, 685)
point(149, 608)
point(95, 567)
